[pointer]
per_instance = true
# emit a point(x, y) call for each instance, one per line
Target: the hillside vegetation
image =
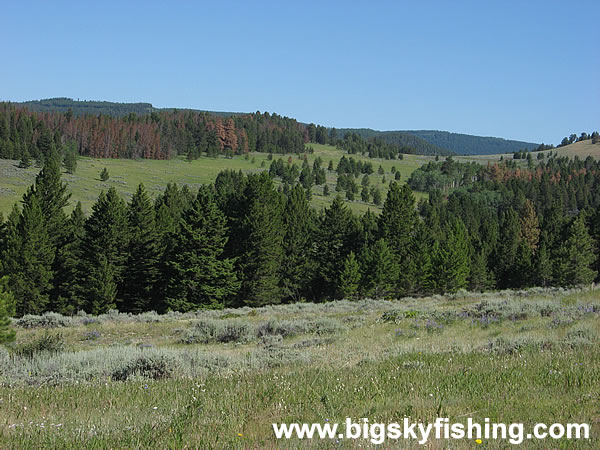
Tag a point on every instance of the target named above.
point(125, 174)
point(431, 142)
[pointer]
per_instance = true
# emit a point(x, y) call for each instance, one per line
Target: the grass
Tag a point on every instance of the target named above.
point(529, 356)
point(125, 175)
point(581, 149)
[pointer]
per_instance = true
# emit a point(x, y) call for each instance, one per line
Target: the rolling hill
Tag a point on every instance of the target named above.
point(80, 107)
point(444, 142)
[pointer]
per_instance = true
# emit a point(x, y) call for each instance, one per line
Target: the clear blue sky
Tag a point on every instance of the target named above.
point(525, 70)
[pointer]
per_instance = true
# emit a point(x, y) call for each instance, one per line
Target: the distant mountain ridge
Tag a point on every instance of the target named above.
point(116, 109)
point(447, 142)
point(467, 144)
point(427, 142)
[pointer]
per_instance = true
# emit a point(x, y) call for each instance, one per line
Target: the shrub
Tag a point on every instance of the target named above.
point(155, 367)
point(206, 331)
point(46, 343)
point(47, 320)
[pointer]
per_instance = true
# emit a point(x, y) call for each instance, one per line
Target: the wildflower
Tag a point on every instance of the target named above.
point(478, 441)
point(155, 407)
point(240, 435)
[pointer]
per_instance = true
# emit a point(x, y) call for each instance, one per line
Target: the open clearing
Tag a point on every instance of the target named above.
point(220, 378)
point(125, 175)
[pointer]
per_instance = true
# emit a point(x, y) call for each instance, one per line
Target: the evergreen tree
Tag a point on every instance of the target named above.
point(397, 224)
point(376, 193)
point(52, 195)
point(326, 191)
point(365, 194)
point(7, 310)
point(67, 285)
point(379, 270)
point(506, 256)
point(104, 253)
point(349, 277)
point(576, 255)
point(144, 252)
point(479, 276)
point(104, 175)
point(451, 258)
point(543, 267)
point(297, 266)
point(28, 257)
point(25, 162)
point(70, 159)
point(337, 235)
point(262, 248)
point(530, 227)
point(422, 255)
point(197, 274)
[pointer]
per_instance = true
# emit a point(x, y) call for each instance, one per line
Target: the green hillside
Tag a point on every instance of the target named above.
point(80, 107)
point(466, 144)
point(126, 174)
point(399, 138)
point(431, 142)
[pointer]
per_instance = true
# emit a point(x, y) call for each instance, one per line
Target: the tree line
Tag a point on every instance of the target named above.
point(240, 241)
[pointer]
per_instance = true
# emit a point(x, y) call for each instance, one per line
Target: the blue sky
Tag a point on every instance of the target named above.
point(519, 70)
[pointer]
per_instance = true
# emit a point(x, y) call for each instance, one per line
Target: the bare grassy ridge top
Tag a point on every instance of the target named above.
point(220, 378)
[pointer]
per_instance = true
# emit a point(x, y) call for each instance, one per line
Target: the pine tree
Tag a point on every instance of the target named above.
point(543, 267)
point(530, 227)
point(198, 276)
point(422, 255)
point(25, 162)
point(262, 248)
point(479, 276)
point(70, 159)
point(349, 277)
point(379, 270)
point(297, 267)
point(104, 252)
point(67, 285)
point(53, 197)
point(326, 190)
point(397, 224)
point(139, 280)
point(337, 235)
point(451, 258)
point(28, 257)
point(104, 175)
point(506, 255)
point(576, 255)
point(7, 310)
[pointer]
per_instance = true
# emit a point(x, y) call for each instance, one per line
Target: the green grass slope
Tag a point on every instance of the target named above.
point(125, 175)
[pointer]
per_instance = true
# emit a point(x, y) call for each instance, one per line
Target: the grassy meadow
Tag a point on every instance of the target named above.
point(125, 175)
point(219, 379)
point(581, 149)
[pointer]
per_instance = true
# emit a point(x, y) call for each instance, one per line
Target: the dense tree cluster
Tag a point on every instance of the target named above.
point(444, 175)
point(158, 135)
point(374, 147)
point(240, 241)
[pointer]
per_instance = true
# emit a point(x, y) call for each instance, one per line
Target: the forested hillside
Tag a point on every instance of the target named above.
point(430, 142)
point(81, 107)
point(399, 138)
point(240, 241)
point(466, 144)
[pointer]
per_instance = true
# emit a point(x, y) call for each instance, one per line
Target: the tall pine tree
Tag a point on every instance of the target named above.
point(139, 280)
point(197, 274)
point(104, 253)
